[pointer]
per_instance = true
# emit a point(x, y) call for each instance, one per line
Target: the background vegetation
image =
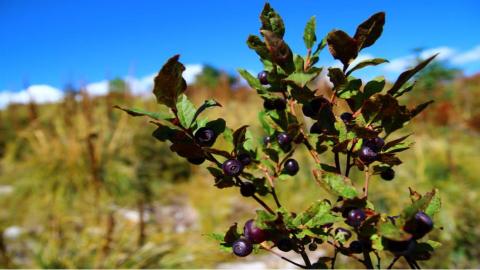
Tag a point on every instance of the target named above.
point(84, 185)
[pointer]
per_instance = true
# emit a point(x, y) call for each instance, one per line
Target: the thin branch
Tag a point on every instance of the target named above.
point(337, 163)
point(367, 259)
point(274, 195)
point(262, 203)
point(410, 263)
point(393, 262)
point(302, 252)
point(334, 259)
point(367, 179)
point(379, 265)
point(265, 247)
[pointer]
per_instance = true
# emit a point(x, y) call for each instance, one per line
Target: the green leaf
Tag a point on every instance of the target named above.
point(309, 37)
point(376, 242)
point(169, 83)
point(374, 86)
point(434, 205)
point(186, 111)
point(206, 104)
point(317, 208)
point(395, 142)
point(338, 184)
point(217, 125)
point(256, 44)
point(417, 110)
point(422, 204)
point(407, 75)
point(392, 232)
point(262, 116)
point(342, 46)
point(140, 112)
point(370, 30)
point(239, 137)
point(365, 63)
point(252, 81)
point(248, 144)
point(301, 79)
point(263, 219)
point(434, 244)
point(279, 50)
point(272, 21)
point(163, 133)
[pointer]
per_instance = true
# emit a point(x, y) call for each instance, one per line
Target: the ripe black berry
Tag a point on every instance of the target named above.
point(242, 247)
point(291, 166)
point(196, 160)
point(263, 77)
point(367, 155)
point(205, 136)
point(312, 247)
point(388, 174)
point(247, 189)
point(269, 104)
point(347, 117)
point(355, 217)
point(375, 144)
point(254, 234)
point(283, 139)
point(316, 128)
point(355, 247)
point(232, 167)
point(347, 234)
point(419, 225)
point(280, 104)
point(285, 244)
point(244, 158)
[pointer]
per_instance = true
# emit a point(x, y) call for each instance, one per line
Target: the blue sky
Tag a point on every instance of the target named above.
point(56, 42)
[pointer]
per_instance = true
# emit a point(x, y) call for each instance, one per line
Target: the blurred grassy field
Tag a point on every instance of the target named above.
point(85, 186)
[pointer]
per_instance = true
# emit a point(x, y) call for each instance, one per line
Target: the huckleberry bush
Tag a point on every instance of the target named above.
point(351, 225)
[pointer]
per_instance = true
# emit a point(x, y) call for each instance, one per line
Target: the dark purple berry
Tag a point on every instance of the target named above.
point(263, 77)
point(267, 140)
point(355, 247)
point(247, 189)
point(283, 139)
point(355, 217)
point(242, 247)
point(244, 158)
point(280, 104)
point(347, 117)
point(269, 104)
point(196, 160)
point(232, 167)
point(205, 136)
point(367, 155)
point(347, 234)
point(388, 174)
point(419, 225)
point(254, 234)
point(291, 166)
point(375, 144)
point(312, 247)
point(285, 244)
point(306, 240)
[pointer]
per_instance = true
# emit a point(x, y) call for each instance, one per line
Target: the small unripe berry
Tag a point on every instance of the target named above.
point(419, 225)
point(285, 244)
point(291, 166)
point(232, 167)
point(388, 174)
point(247, 189)
point(242, 247)
point(283, 139)
point(196, 160)
point(312, 247)
point(254, 234)
point(367, 155)
point(205, 136)
point(355, 217)
point(263, 77)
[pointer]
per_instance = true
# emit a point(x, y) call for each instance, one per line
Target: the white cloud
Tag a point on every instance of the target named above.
point(398, 64)
point(41, 93)
point(470, 56)
point(444, 53)
point(97, 88)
